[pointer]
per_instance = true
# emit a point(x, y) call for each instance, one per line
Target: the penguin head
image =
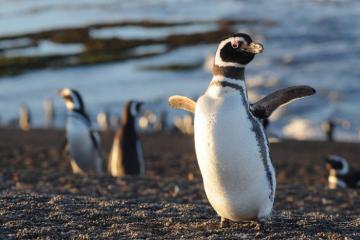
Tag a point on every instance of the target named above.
point(236, 50)
point(132, 109)
point(72, 98)
point(135, 108)
point(337, 163)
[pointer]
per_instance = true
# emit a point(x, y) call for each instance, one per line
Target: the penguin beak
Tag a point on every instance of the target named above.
point(254, 48)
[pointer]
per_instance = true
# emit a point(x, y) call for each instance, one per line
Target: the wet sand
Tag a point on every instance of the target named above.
point(40, 198)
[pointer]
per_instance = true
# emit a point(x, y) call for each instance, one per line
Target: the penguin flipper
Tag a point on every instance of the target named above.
point(266, 106)
point(181, 102)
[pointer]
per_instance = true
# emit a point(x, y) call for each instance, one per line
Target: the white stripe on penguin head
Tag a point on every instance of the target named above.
point(218, 60)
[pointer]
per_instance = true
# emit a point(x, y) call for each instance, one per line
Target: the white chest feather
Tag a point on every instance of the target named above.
point(230, 156)
point(115, 159)
point(85, 157)
point(334, 182)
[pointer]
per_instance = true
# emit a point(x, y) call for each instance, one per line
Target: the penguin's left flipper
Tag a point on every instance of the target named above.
point(181, 102)
point(266, 106)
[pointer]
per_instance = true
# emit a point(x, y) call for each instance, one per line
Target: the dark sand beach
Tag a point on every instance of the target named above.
point(40, 198)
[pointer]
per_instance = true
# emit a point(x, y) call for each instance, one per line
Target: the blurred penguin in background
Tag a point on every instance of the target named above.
point(24, 118)
point(83, 143)
point(126, 156)
point(329, 128)
point(340, 174)
point(114, 121)
point(49, 112)
point(103, 121)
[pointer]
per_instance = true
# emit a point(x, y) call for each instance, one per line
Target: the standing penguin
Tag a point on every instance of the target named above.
point(126, 156)
point(83, 142)
point(329, 129)
point(230, 142)
point(25, 118)
point(49, 112)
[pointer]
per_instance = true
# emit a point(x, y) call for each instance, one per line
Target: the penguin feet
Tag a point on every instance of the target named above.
point(259, 226)
point(224, 223)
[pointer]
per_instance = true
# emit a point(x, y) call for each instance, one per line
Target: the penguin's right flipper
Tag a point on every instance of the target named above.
point(266, 106)
point(181, 102)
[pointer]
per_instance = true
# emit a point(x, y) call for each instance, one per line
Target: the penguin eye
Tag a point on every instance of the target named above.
point(235, 44)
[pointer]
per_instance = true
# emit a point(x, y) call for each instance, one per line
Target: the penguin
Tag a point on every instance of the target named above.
point(49, 112)
point(83, 143)
point(230, 142)
point(126, 156)
point(114, 121)
point(329, 129)
point(103, 120)
point(162, 124)
point(25, 118)
point(340, 174)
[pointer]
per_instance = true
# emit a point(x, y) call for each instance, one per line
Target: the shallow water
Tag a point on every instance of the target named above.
point(44, 48)
point(136, 32)
point(313, 42)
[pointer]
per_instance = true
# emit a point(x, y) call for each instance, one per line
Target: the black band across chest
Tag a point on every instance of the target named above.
point(237, 73)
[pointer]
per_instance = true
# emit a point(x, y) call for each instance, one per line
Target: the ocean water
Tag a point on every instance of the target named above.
point(312, 42)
